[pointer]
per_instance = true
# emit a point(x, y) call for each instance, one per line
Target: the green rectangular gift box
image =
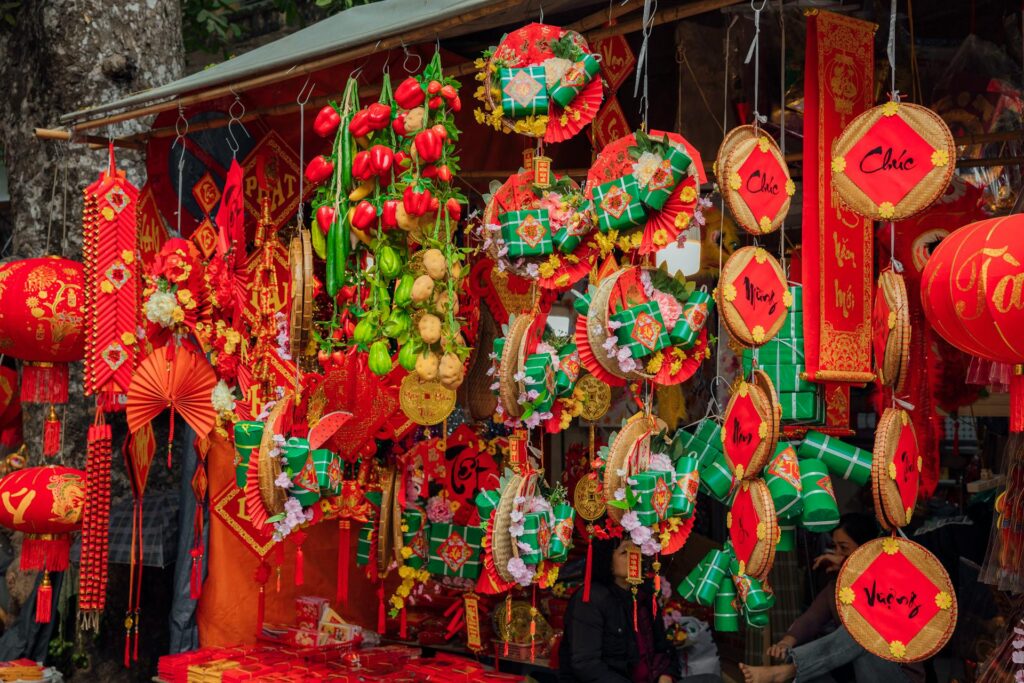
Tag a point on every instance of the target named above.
point(526, 233)
point(575, 79)
point(524, 92)
point(414, 537)
point(455, 550)
point(618, 206)
point(786, 378)
point(537, 367)
point(688, 445)
point(778, 352)
point(641, 329)
point(798, 298)
point(660, 187)
point(364, 546)
point(805, 406)
point(647, 508)
point(842, 459)
point(792, 326)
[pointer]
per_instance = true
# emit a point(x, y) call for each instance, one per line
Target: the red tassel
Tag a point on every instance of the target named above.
point(508, 620)
point(51, 434)
point(403, 625)
point(44, 383)
point(381, 612)
point(135, 647)
point(48, 553)
point(44, 600)
point(589, 573)
point(197, 573)
point(635, 628)
point(300, 573)
point(1017, 399)
point(344, 527)
point(170, 438)
point(262, 576)
point(128, 642)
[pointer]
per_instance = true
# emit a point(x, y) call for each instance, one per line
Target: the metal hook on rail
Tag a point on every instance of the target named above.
point(234, 118)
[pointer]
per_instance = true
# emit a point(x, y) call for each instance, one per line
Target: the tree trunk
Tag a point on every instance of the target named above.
point(61, 56)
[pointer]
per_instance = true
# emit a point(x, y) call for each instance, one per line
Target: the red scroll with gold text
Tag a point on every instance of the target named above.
point(837, 267)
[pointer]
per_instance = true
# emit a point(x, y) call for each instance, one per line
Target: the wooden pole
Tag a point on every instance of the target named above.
point(94, 140)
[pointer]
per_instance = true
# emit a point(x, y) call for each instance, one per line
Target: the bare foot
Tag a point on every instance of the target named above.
point(768, 674)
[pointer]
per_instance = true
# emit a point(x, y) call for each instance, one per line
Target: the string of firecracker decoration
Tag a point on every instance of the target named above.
point(92, 580)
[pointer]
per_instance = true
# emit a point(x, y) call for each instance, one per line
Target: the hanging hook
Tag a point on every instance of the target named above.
point(234, 118)
point(409, 55)
point(300, 100)
point(386, 70)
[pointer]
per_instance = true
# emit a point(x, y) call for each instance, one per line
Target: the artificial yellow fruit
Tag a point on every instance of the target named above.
point(364, 189)
point(422, 289)
point(430, 328)
point(414, 121)
point(426, 366)
point(405, 221)
point(434, 263)
point(450, 371)
point(456, 270)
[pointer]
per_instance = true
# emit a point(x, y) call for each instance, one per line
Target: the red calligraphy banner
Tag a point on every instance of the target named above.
point(837, 268)
point(609, 125)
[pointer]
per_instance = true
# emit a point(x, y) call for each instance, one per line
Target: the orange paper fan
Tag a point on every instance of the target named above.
point(178, 379)
point(580, 112)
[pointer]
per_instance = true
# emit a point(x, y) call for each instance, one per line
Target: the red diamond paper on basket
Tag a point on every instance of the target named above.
point(763, 184)
point(759, 294)
point(110, 254)
point(454, 552)
point(889, 160)
point(895, 597)
point(742, 431)
point(743, 525)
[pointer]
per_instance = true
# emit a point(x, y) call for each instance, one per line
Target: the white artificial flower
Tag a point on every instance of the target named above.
point(661, 462)
point(159, 308)
point(222, 397)
point(630, 521)
point(645, 167)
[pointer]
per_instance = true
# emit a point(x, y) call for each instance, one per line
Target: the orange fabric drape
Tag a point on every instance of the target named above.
point(227, 607)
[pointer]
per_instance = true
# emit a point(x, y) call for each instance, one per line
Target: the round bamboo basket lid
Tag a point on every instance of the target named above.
point(597, 328)
point(512, 363)
point(891, 330)
point(757, 187)
point(896, 600)
point(895, 469)
point(270, 466)
point(748, 431)
point(753, 528)
point(753, 296)
point(633, 438)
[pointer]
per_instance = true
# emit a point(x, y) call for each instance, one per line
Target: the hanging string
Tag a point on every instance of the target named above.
point(181, 129)
point(302, 145)
point(49, 221)
point(650, 7)
point(890, 50)
point(754, 52)
point(782, 124)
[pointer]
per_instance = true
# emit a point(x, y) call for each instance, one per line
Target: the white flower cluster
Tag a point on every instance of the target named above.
point(159, 308)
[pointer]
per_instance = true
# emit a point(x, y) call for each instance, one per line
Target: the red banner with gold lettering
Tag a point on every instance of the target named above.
point(837, 263)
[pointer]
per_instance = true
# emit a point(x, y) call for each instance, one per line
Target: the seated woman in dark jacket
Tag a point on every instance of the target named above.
point(600, 644)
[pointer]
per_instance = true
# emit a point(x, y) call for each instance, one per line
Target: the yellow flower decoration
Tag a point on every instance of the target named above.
point(479, 63)
point(739, 471)
point(721, 435)
point(760, 255)
point(405, 572)
point(177, 315)
point(762, 143)
point(940, 157)
point(655, 363)
point(838, 165)
point(920, 463)
point(890, 108)
point(128, 256)
point(943, 600)
point(128, 338)
point(735, 182)
point(762, 531)
point(886, 210)
point(892, 470)
point(682, 220)
point(106, 287)
point(406, 552)
point(728, 520)
point(897, 649)
point(742, 390)
point(757, 333)
point(890, 546)
point(762, 430)
point(688, 194)
point(787, 299)
point(790, 188)
point(397, 602)
point(765, 224)
point(729, 292)
point(847, 596)
point(743, 567)
point(660, 237)
point(910, 514)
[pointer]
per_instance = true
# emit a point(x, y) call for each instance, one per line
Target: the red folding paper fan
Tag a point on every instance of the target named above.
point(614, 162)
point(178, 379)
point(373, 402)
point(564, 124)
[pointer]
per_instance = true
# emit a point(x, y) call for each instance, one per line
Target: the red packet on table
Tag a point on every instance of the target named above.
point(248, 672)
point(308, 611)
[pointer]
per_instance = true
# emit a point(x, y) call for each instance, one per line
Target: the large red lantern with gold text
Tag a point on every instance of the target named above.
point(41, 323)
point(45, 503)
point(972, 291)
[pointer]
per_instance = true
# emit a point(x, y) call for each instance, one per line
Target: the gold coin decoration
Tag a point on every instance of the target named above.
point(425, 403)
point(587, 500)
point(598, 398)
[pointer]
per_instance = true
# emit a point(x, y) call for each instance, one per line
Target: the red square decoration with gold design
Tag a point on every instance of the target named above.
point(763, 184)
point(746, 431)
point(896, 600)
point(753, 528)
point(753, 296)
point(661, 498)
point(889, 160)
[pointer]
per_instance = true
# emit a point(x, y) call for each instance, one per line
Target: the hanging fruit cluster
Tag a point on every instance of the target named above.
point(387, 184)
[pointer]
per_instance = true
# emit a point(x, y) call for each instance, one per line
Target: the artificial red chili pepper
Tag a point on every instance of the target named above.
point(435, 102)
point(401, 160)
point(364, 216)
point(448, 92)
point(409, 93)
point(428, 146)
point(428, 171)
point(444, 174)
point(319, 169)
point(325, 218)
point(454, 210)
point(327, 121)
point(434, 87)
point(456, 103)
point(381, 158)
point(389, 214)
point(380, 115)
point(361, 166)
point(440, 130)
point(360, 123)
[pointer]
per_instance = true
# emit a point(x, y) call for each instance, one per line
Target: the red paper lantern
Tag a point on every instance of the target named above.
point(972, 292)
point(41, 320)
point(45, 503)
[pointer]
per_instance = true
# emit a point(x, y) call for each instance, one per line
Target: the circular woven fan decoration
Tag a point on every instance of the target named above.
point(269, 466)
point(895, 469)
point(891, 330)
point(753, 296)
point(630, 452)
point(513, 356)
point(765, 384)
point(893, 161)
point(754, 180)
point(896, 600)
point(300, 262)
point(753, 528)
point(503, 546)
point(748, 434)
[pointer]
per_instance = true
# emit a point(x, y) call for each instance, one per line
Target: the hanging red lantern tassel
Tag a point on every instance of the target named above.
point(589, 572)
point(44, 600)
point(51, 434)
point(196, 578)
point(43, 382)
point(381, 612)
point(262, 576)
point(1017, 399)
point(300, 561)
point(344, 529)
point(45, 551)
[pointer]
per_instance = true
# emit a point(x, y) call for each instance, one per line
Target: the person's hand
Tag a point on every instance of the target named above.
point(778, 650)
point(829, 561)
point(664, 679)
